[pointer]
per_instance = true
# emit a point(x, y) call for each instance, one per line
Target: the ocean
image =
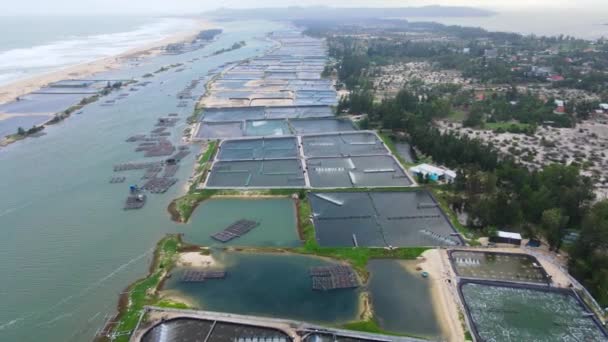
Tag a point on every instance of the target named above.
point(45, 44)
point(585, 24)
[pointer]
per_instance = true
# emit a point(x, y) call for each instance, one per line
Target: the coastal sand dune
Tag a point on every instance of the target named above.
point(19, 88)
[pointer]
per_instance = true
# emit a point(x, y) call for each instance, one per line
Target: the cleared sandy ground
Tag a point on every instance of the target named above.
point(443, 293)
point(196, 259)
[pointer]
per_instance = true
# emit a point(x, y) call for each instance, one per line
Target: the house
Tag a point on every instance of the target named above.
point(555, 78)
point(490, 53)
point(560, 107)
point(434, 173)
point(507, 237)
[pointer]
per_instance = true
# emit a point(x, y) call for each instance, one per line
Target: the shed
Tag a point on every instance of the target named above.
point(433, 172)
point(507, 237)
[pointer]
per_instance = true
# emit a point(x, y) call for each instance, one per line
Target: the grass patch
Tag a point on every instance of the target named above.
point(211, 149)
point(509, 126)
point(470, 235)
point(181, 208)
point(358, 257)
point(457, 115)
point(371, 326)
point(171, 304)
point(143, 292)
point(390, 144)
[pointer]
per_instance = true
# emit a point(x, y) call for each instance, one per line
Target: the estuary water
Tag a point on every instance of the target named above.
point(67, 248)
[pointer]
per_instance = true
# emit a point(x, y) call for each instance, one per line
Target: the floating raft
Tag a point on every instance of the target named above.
point(191, 276)
point(114, 180)
point(237, 229)
point(333, 277)
point(159, 185)
point(135, 202)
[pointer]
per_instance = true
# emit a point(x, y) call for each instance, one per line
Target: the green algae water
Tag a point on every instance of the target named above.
point(502, 312)
point(276, 218)
point(67, 248)
point(273, 285)
point(401, 299)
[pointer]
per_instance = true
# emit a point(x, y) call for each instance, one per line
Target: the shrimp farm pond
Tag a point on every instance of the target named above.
point(275, 219)
point(266, 284)
point(501, 311)
point(498, 266)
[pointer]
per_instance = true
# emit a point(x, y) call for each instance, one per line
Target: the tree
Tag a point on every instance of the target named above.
point(588, 258)
point(20, 131)
point(553, 224)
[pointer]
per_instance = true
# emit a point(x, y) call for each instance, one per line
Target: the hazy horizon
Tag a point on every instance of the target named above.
point(96, 7)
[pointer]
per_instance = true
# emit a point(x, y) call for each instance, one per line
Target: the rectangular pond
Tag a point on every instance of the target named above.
point(276, 218)
point(401, 298)
point(347, 172)
point(511, 312)
point(321, 125)
point(380, 219)
point(272, 285)
point(256, 173)
point(250, 149)
point(498, 266)
point(192, 329)
point(343, 145)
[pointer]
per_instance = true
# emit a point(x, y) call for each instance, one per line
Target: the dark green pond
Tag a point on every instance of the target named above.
point(402, 299)
point(270, 285)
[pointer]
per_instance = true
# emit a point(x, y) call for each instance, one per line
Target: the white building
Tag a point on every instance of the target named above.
point(434, 173)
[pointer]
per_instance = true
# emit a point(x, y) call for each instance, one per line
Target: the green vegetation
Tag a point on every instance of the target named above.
point(171, 304)
point(371, 326)
point(209, 153)
point(166, 68)
point(390, 144)
point(198, 112)
point(234, 46)
point(356, 256)
point(494, 191)
point(143, 292)
point(511, 127)
point(457, 115)
point(181, 208)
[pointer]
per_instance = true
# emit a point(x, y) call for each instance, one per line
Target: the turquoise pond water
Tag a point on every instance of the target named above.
point(276, 218)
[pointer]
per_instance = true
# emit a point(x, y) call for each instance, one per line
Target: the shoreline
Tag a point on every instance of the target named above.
point(9, 92)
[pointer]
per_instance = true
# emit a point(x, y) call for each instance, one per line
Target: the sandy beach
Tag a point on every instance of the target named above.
point(443, 293)
point(196, 259)
point(19, 88)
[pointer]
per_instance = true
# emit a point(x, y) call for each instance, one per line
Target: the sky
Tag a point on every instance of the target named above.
point(11, 7)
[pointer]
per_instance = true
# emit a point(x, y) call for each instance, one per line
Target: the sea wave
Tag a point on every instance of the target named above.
point(21, 63)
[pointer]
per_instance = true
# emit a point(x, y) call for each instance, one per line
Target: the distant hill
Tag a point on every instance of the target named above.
point(323, 13)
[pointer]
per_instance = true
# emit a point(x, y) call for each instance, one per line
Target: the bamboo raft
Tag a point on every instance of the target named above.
point(192, 276)
point(333, 277)
point(135, 202)
point(235, 230)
